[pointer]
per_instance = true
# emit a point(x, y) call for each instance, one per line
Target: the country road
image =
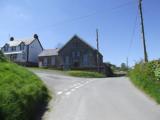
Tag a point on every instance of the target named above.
point(96, 99)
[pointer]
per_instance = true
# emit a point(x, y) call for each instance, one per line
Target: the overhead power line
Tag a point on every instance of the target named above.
point(91, 14)
point(132, 36)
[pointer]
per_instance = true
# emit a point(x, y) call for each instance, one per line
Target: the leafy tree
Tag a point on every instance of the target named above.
point(124, 67)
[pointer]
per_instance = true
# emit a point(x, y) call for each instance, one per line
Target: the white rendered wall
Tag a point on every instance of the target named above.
point(34, 50)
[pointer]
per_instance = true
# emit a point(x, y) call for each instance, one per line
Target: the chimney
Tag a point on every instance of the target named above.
point(11, 38)
point(35, 36)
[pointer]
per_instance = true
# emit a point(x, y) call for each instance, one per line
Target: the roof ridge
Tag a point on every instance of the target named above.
point(17, 42)
point(79, 39)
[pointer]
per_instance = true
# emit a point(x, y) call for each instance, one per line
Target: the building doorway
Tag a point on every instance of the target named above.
point(76, 64)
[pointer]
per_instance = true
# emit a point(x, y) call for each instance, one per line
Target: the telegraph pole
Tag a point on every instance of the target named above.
point(127, 63)
point(142, 30)
point(97, 40)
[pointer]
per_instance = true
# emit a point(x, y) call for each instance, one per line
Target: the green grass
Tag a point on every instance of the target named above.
point(21, 92)
point(145, 76)
point(51, 70)
point(86, 74)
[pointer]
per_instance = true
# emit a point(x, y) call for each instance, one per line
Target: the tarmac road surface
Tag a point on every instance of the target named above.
point(96, 99)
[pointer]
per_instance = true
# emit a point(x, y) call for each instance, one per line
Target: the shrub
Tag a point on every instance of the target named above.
point(2, 57)
point(21, 93)
point(146, 76)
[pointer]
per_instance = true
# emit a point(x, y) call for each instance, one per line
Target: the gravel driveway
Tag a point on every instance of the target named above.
point(96, 99)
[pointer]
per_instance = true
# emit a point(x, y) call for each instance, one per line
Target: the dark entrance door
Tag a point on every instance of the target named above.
point(76, 64)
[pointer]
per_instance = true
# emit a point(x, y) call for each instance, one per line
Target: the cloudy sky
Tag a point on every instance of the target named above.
point(56, 21)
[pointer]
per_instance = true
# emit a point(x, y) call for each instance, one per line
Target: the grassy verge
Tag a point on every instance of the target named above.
point(147, 77)
point(21, 92)
point(54, 71)
point(86, 74)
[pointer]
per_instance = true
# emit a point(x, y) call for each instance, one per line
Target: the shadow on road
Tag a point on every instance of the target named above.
point(120, 75)
point(41, 110)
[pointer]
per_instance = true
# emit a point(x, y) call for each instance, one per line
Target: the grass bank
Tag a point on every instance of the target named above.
point(85, 74)
point(21, 92)
point(147, 77)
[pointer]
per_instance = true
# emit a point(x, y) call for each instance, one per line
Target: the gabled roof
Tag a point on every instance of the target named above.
point(76, 36)
point(18, 42)
point(49, 52)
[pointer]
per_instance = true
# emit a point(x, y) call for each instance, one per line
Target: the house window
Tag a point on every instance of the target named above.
point(78, 54)
point(6, 48)
point(13, 48)
point(85, 59)
point(53, 61)
point(21, 46)
point(67, 60)
point(23, 56)
point(45, 61)
point(73, 54)
point(13, 57)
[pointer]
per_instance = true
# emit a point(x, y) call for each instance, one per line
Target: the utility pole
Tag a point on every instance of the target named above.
point(9, 36)
point(142, 30)
point(127, 64)
point(97, 40)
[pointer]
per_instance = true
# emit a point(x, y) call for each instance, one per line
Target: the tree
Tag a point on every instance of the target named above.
point(124, 67)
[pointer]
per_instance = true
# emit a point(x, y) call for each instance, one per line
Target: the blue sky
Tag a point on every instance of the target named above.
point(56, 21)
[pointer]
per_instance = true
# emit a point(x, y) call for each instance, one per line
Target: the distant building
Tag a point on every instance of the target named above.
point(49, 58)
point(76, 53)
point(23, 52)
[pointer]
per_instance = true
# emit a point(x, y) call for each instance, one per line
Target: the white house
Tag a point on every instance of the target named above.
point(23, 52)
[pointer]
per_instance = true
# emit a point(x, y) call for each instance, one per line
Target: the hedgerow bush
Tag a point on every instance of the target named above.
point(21, 93)
point(2, 57)
point(157, 73)
point(147, 77)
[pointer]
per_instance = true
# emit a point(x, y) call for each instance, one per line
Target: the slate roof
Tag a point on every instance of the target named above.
point(77, 37)
point(18, 42)
point(49, 52)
